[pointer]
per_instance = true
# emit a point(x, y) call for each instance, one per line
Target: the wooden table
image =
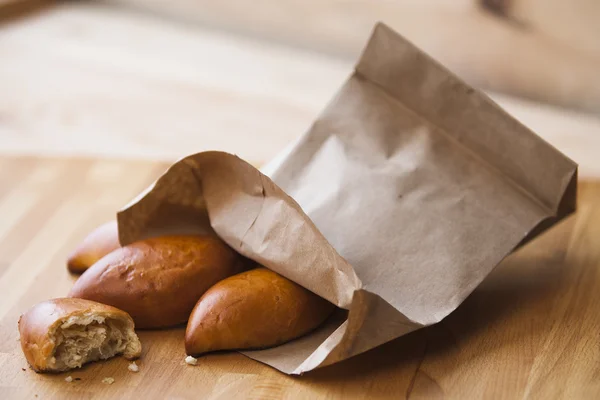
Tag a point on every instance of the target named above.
point(531, 330)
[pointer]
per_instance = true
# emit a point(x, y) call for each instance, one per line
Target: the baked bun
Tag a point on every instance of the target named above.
point(94, 246)
point(62, 334)
point(159, 280)
point(252, 310)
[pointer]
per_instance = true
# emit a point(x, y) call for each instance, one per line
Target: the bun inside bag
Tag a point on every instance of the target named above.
point(253, 310)
point(159, 280)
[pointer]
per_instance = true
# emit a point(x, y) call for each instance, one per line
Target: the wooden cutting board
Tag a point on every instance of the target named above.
point(531, 330)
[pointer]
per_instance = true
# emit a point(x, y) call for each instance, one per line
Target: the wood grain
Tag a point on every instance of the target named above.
point(531, 329)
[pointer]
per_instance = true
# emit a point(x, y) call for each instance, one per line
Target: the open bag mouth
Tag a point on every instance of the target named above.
point(406, 192)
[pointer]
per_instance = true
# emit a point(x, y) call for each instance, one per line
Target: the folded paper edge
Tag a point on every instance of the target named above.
point(382, 33)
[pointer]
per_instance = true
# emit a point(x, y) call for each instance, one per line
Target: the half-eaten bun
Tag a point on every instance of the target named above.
point(62, 334)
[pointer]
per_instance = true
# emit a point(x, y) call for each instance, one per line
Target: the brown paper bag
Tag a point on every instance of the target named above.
point(408, 190)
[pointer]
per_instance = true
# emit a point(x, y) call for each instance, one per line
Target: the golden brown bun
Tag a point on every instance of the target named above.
point(158, 281)
point(255, 309)
point(61, 334)
point(96, 245)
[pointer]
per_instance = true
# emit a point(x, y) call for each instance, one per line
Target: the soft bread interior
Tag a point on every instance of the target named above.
point(85, 338)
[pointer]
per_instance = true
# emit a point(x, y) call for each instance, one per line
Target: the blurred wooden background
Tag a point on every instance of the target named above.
point(160, 79)
point(531, 48)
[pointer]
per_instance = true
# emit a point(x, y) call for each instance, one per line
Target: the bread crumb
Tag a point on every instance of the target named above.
point(133, 367)
point(108, 381)
point(191, 360)
point(69, 379)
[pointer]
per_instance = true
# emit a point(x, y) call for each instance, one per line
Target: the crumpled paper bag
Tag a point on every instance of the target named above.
point(406, 192)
